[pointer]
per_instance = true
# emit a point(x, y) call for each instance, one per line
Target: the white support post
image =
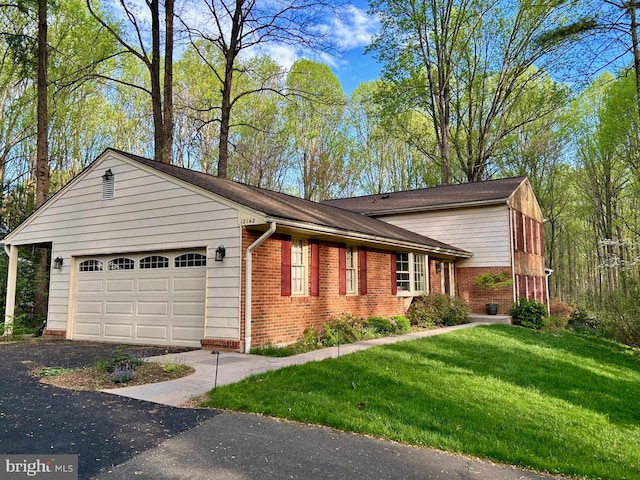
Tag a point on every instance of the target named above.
point(12, 277)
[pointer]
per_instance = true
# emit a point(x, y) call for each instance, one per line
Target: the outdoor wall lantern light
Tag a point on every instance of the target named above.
point(57, 263)
point(108, 175)
point(220, 253)
point(438, 267)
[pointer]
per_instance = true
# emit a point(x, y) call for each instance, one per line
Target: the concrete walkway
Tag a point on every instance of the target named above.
point(233, 367)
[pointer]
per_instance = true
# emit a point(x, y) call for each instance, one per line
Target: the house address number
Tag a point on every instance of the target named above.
point(248, 221)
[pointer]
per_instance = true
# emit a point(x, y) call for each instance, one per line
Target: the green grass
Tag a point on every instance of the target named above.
point(560, 403)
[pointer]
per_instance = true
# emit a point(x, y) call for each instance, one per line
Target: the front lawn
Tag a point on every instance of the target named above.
point(560, 403)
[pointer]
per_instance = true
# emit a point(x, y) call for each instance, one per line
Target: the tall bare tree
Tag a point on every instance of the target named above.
point(235, 26)
point(161, 93)
point(463, 64)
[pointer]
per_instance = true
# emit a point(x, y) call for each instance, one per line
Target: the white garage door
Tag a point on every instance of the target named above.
point(152, 298)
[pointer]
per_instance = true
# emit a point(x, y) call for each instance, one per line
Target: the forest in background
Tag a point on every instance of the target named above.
point(470, 90)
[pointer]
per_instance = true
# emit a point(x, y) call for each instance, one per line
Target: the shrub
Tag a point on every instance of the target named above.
point(379, 325)
point(584, 321)
point(528, 313)
point(429, 311)
point(561, 309)
point(619, 316)
point(123, 373)
point(120, 359)
point(342, 329)
point(400, 324)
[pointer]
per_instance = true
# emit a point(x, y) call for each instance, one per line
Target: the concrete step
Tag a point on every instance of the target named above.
point(478, 317)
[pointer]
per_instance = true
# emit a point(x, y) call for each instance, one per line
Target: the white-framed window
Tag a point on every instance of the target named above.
point(411, 273)
point(91, 266)
point(190, 260)
point(121, 263)
point(403, 274)
point(352, 270)
point(154, 261)
point(419, 272)
point(298, 267)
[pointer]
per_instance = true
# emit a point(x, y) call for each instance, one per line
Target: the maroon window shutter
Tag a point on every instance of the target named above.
point(541, 237)
point(362, 273)
point(285, 267)
point(394, 283)
point(342, 269)
point(315, 268)
point(519, 233)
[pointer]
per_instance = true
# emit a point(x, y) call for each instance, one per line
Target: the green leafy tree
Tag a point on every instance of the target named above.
point(314, 116)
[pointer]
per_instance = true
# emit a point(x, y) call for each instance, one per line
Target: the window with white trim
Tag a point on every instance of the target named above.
point(190, 260)
point(403, 275)
point(419, 272)
point(298, 267)
point(411, 273)
point(154, 261)
point(352, 275)
point(91, 266)
point(121, 264)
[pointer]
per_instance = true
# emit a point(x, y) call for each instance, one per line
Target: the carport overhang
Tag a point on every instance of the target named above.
point(12, 251)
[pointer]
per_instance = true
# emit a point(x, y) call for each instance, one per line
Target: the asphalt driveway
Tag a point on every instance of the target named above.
point(104, 430)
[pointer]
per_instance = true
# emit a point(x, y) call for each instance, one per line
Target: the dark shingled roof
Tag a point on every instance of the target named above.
point(467, 194)
point(282, 207)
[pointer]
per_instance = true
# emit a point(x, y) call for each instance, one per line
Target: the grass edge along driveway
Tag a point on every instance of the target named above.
point(560, 403)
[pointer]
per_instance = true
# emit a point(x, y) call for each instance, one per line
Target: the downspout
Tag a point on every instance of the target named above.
point(512, 252)
point(247, 285)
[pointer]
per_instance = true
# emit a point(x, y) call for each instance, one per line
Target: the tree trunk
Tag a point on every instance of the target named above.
point(167, 133)
point(42, 154)
point(156, 91)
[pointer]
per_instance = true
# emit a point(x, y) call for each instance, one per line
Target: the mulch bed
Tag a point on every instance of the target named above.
point(103, 429)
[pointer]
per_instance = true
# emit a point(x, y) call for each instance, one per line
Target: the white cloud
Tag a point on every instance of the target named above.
point(352, 28)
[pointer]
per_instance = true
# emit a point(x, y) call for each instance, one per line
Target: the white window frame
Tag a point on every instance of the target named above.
point(410, 276)
point(299, 267)
point(352, 270)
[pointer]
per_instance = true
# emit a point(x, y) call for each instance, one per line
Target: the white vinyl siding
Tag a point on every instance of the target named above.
point(148, 214)
point(481, 230)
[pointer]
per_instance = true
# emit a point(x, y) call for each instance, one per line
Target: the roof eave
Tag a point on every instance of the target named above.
point(444, 206)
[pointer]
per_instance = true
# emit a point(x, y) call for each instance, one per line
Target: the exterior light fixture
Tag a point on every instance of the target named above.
point(108, 175)
point(220, 253)
point(438, 267)
point(57, 263)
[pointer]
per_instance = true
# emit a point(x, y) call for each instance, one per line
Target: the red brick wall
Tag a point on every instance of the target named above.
point(477, 299)
point(281, 319)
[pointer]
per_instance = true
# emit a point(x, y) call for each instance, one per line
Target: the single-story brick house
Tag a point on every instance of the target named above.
point(500, 221)
point(144, 252)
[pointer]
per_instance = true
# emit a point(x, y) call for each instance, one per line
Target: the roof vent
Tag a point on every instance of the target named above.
point(107, 185)
point(384, 196)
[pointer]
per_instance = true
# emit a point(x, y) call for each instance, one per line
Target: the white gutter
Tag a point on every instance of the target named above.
point(247, 285)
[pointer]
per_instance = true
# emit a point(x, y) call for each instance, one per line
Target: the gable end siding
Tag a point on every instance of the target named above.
point(148, 213)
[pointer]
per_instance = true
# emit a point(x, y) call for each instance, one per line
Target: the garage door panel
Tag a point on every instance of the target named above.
point(186, 334)
point(150, 305)
point(188, 309)
point(91, 286)
point(119, 308)
point(118, 330)
point(152, 333)
point(189, 284)
point(88, 329)
point(153, 285)
point(120, 285)
point(89, 308)
point(158, 309)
